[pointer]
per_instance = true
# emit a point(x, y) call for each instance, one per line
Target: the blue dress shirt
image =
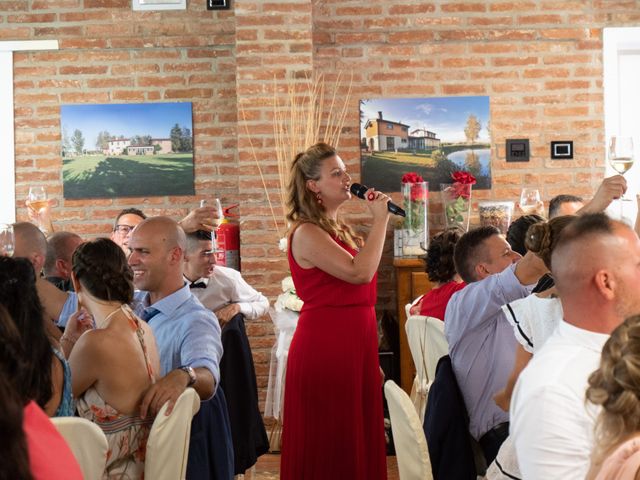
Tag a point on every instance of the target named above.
point(482, 345)
point(186, 332)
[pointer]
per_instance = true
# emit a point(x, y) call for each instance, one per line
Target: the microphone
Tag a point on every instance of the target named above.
point(360, 191)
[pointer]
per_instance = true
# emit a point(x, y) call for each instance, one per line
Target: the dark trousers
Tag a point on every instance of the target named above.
point(491, 441)
point(210, 448)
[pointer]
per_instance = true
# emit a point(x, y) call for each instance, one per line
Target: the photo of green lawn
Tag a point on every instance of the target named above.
point(127, 150)
point(100, 176)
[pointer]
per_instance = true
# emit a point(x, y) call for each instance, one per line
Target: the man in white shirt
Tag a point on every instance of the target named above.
point(596, 267)
point(220, 289)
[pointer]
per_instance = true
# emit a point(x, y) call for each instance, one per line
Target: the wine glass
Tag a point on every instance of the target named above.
point(529, 200)
point(37, 198)
point(216, 221)
point(621, 155)
point(38, 203)
point(7, 239)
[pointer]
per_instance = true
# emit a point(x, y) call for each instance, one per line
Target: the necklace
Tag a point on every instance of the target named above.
point(108, 317)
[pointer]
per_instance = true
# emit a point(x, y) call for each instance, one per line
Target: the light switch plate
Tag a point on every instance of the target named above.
point(517, 150)
point(562, 150)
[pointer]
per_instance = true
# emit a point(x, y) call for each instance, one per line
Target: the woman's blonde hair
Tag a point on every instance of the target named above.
point(303, 204)
point(616, 387)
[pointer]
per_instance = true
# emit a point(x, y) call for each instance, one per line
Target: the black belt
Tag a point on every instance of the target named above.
point(499, 432)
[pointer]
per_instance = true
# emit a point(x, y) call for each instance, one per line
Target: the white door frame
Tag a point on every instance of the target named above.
point(7, 132)
point(619, 44)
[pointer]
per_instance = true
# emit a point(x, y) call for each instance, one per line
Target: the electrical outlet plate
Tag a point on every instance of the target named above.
point(518, 150)
point(562, 150)
point(218, 4)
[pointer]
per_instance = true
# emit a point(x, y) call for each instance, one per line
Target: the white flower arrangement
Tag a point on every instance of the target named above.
point(288, 299)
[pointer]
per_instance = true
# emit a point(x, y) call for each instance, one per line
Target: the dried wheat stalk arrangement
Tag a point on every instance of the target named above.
point(307, 114)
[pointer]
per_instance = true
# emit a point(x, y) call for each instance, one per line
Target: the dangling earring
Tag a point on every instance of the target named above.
point(318, 198)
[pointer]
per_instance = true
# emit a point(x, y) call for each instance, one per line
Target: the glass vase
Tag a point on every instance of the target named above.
point(456, 202)
point(415, 228)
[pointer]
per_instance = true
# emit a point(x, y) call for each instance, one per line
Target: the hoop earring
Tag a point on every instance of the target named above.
point(318, 198)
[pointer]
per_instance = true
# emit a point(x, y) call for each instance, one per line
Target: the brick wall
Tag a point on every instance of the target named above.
point(539, 61)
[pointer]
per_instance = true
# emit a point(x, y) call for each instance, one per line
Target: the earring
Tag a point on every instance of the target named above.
point(318, 198)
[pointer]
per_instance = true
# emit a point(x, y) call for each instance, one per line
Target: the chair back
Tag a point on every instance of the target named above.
point(427, 344)
point(408, 436)
point(168, 443)
point(87, 443)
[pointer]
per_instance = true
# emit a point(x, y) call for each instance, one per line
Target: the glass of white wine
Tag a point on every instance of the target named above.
point(621, 155)
point(216, 221)
point(529, 200)
point(7, 240)
point(38, 202)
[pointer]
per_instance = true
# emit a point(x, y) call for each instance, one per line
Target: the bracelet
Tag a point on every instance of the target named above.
point(65, 338)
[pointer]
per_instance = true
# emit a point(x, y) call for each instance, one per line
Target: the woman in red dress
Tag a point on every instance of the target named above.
point(333, 423)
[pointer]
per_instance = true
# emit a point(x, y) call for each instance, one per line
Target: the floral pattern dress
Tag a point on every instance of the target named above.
point(126, 434)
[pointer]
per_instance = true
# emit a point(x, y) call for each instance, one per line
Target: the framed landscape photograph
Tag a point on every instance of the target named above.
point(127, 150)
point(433, 137)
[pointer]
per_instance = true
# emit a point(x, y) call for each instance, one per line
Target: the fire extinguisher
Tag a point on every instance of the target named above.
point(228, 240)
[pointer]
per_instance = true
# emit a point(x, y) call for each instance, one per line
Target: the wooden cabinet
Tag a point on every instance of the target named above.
point(411, 281)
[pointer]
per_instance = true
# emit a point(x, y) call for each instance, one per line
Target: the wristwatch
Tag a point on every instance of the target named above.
point(191, 372)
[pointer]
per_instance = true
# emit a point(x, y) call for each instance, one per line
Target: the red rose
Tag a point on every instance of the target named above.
point(461, 190)
point(463, 177)
point(411, 177)
point(418, 191)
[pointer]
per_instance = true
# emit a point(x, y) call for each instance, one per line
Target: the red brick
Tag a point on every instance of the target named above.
point(464, 7)
point(411, 9)
point(468, 89)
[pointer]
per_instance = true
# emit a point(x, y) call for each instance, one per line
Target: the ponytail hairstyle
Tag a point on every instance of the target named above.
point(101, 267)
point(14, 456)
point(542, 237)
point(302, 202)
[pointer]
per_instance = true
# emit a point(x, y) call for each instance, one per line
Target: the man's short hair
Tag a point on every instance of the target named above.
point(58, 247)
point(557, 201)
point(194, 238)
point(30, 237)
point(582, 227)
point(517, 232)
point(130, 211)
point(469, 251)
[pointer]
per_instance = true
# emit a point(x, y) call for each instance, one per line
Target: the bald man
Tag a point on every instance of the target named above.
point(30, 243)
point(57, 264)
point(188, 339)
point(597, 273)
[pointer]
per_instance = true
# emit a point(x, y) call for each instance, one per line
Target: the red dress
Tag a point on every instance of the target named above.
point(333, 423)
point(434, 302)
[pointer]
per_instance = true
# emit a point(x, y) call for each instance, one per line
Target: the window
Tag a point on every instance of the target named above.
point(389, 126)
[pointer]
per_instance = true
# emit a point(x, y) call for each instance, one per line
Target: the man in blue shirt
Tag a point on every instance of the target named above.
point(481, 341)
point(188, 339)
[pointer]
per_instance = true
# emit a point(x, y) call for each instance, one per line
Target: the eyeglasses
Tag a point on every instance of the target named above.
point(123, 229)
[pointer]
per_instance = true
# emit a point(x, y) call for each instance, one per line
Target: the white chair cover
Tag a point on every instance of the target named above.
point(427, 344)
point(285, 322)
point(87, 442)
point(168, 443)
point(408, 436)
